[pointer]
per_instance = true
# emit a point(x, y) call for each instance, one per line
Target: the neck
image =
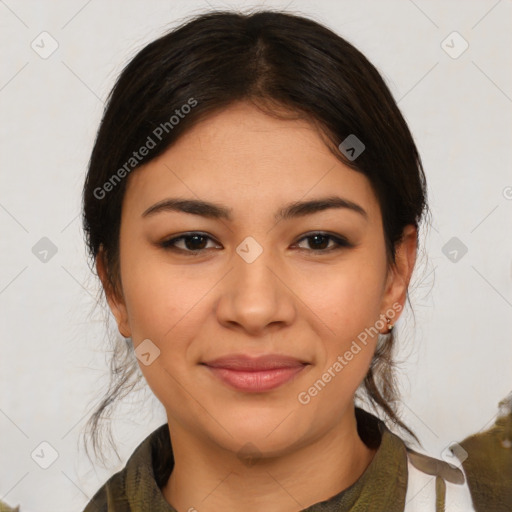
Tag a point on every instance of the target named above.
point(208, 478)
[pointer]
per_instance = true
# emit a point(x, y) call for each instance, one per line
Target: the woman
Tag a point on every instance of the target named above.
point(252, 207)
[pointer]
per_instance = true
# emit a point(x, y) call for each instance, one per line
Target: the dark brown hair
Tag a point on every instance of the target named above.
point(287, 65)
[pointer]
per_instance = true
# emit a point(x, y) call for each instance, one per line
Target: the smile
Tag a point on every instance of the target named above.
point(255, 374)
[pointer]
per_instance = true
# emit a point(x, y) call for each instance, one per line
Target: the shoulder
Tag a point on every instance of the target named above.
point(6, 508)
point(112, 496)
point(435, 485)
point(488, 462)
point(138, 482)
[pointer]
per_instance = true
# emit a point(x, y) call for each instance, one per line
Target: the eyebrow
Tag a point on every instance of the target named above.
point(217, 211)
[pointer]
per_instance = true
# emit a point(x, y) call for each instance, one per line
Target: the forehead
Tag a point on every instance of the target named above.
point(241, 156)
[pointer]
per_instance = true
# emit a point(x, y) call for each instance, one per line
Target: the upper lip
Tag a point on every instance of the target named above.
point(250, 363)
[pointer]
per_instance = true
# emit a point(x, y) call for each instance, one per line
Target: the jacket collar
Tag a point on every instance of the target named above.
point(381, 487)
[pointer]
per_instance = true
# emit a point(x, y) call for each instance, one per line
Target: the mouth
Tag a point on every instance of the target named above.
point(255, 374)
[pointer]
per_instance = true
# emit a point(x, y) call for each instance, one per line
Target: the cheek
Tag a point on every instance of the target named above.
point(159, 298)
point(348, 302)
point(349, 307)
point(347, 299)
point(164, 305)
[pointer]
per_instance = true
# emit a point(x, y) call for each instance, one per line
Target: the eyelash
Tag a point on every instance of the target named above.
point(341, 243)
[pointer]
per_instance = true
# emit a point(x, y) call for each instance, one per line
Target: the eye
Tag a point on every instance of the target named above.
point(196, 242)
point(193, 242)
point(320, 242)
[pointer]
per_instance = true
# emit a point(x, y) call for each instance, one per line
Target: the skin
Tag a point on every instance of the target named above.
point(292, 300)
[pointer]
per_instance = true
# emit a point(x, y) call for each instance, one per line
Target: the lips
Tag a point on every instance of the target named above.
point(248, 363)
point(255, 374)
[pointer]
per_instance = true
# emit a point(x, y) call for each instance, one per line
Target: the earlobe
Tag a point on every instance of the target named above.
point(115, 302)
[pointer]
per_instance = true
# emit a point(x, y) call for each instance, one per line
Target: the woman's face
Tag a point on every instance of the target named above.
point(251, 283)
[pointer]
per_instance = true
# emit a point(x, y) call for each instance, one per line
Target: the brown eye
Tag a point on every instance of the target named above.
point(319, 242)
point(192, 242)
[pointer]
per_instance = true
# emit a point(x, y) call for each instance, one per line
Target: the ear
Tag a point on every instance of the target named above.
point(400, 273)
point(114, 299)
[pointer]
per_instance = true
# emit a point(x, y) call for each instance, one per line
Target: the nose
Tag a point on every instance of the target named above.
point(255, 296)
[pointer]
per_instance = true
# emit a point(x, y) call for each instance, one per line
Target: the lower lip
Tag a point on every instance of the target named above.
point(256, 381)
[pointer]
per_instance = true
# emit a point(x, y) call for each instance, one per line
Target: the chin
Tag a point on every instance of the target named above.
point(271, 431)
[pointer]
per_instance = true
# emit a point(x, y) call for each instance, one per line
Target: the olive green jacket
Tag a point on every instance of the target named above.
point(6, 508)
point(385, 486)
point(381, 488)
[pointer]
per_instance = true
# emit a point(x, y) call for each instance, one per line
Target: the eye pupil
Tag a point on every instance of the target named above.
point(194, 239)
point(325, 239)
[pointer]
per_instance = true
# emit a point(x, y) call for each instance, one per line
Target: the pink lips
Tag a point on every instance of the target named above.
point(255, 374)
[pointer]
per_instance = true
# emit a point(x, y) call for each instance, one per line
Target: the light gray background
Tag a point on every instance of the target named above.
point(459, 352)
